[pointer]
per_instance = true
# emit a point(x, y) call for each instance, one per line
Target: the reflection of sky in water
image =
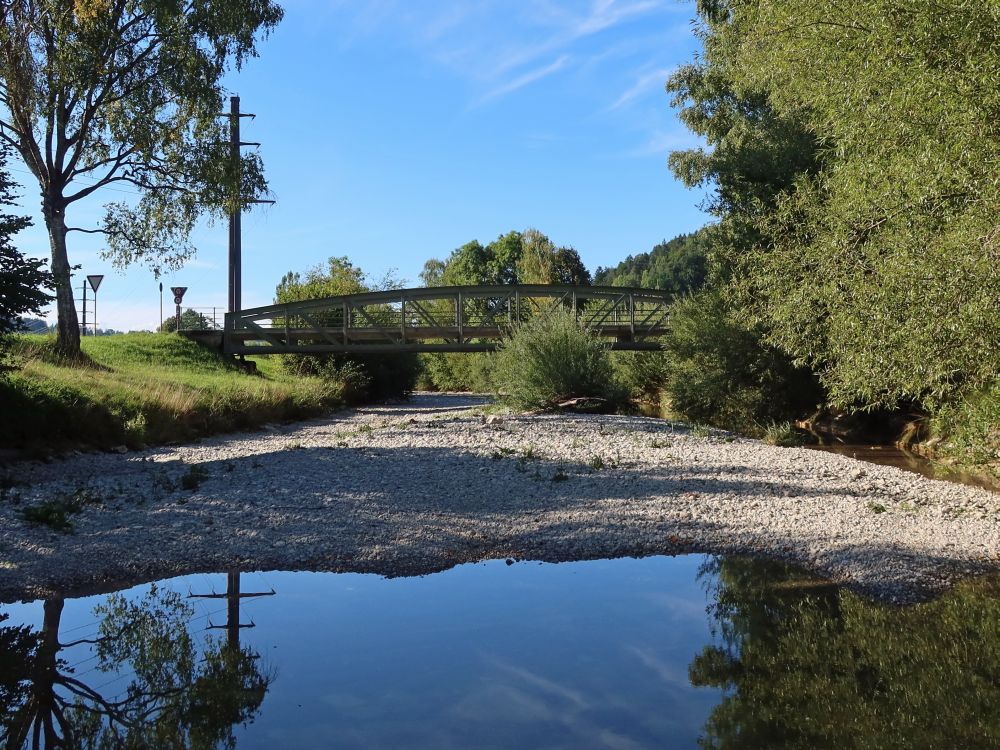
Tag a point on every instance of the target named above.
point(590, 654)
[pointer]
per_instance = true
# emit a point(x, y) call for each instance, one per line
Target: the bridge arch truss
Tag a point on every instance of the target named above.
point(442, 319)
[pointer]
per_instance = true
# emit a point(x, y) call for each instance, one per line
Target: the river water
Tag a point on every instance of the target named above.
point(660, 652)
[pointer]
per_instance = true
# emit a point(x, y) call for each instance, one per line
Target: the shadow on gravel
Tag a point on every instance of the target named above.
point(402, 511)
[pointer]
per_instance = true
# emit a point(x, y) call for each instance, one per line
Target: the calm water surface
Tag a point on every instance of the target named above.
point(652, 653)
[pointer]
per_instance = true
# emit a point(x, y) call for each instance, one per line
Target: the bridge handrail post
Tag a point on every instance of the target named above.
point(459, 318)
point(344, 320)
point(402, 319)
point(631, 314)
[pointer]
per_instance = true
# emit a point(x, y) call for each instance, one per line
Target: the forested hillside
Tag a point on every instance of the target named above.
point(677, 265)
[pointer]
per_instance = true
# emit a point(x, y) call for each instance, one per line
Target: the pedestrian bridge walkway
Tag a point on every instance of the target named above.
point(442, 319)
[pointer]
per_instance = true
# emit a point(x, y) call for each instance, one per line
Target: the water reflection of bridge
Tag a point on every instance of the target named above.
point(450, 319)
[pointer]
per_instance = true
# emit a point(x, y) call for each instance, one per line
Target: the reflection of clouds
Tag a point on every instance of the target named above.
point(667, 672)
point(516, 695)
point(678, 608)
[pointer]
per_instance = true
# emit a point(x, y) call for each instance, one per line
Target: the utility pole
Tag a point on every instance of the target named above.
point(232, 597)
point(83, 322)
point(236, 212)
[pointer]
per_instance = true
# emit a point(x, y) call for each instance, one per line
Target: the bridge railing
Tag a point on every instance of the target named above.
point(459, 318)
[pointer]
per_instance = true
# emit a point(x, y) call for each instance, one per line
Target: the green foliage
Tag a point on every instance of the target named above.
point(865, 243)
point(802, 664)
point(192, 478)
point(967, 430)
point(339, 276)
point(679, 265)
point(99, 93)
point(364, 377)
point(457, 371)
point(551, 359)
point(782, 434)
point(527, 257)
point(56, 513)
point(722, 373)
point(23, 281)
point(191, 320)
point(144, 388)
point(641, 373)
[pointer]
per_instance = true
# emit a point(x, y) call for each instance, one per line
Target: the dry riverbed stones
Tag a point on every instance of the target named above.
point(424, 485)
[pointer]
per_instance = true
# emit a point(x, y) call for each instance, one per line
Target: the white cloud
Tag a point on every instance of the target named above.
point(525, 79)
point(646, 82)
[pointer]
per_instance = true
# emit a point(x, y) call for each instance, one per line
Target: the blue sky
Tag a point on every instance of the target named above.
point(395, 131)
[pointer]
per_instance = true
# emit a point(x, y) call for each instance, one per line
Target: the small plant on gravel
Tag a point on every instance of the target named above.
point(783, 435)
point(876, 507)
point(531, 454)
point(193, 477)
point(294, 447)
point(656, 443)
point(56, 513)
point(502, 453)
point(366, 429)
point(596, 463)
point(553, 359)
point(8, 488)
point(701, 431)
point(560, 475)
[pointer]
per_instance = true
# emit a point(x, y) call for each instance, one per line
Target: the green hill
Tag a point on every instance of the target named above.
point(677, 265)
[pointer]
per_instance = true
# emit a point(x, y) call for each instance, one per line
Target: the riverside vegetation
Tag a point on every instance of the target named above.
point(142, 388)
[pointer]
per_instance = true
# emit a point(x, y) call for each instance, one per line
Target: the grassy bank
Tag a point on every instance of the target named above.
point(140, 388)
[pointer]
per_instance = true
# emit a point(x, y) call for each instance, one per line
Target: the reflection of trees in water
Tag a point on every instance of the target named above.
point(805, 665)
point(178, 696)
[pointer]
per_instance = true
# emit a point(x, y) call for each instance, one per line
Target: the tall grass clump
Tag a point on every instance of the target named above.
point(550, 360)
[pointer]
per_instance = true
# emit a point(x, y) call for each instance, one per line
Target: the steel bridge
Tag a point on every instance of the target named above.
point(442, 319)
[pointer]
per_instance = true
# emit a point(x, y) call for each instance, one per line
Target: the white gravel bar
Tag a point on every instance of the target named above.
point(421, 486)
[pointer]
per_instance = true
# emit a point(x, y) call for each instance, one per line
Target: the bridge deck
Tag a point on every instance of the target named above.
point(442, 319)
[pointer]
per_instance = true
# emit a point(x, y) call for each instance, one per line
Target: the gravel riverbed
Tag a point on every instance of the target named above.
point(421, 486)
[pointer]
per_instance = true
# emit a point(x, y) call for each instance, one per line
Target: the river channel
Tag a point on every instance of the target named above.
point(661, 652)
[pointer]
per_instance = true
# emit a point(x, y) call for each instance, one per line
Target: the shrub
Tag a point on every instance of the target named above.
point(967, 429)
point(456, 371)
point(551, 359)
point(641, 373)
point(721, 373)
point(360, 377)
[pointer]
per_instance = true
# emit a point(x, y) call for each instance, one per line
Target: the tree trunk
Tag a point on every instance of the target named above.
point(67, 324)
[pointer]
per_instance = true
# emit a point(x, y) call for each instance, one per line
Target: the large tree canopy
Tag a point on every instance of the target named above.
point(527, 257)
point(871, 254)
point(99, 92)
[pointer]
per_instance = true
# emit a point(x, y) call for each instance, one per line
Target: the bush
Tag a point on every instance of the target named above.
point(723, 374)
point(456, 371)
point(362, 377)
point(967, 429)
point(551, 359)
point(641, 373)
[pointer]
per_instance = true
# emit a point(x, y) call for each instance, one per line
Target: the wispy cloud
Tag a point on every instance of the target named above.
point(500, 47)
point(645, 83)
point(525, 79)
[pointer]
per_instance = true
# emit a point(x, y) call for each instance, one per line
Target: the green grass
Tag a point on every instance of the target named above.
point(143, 388)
